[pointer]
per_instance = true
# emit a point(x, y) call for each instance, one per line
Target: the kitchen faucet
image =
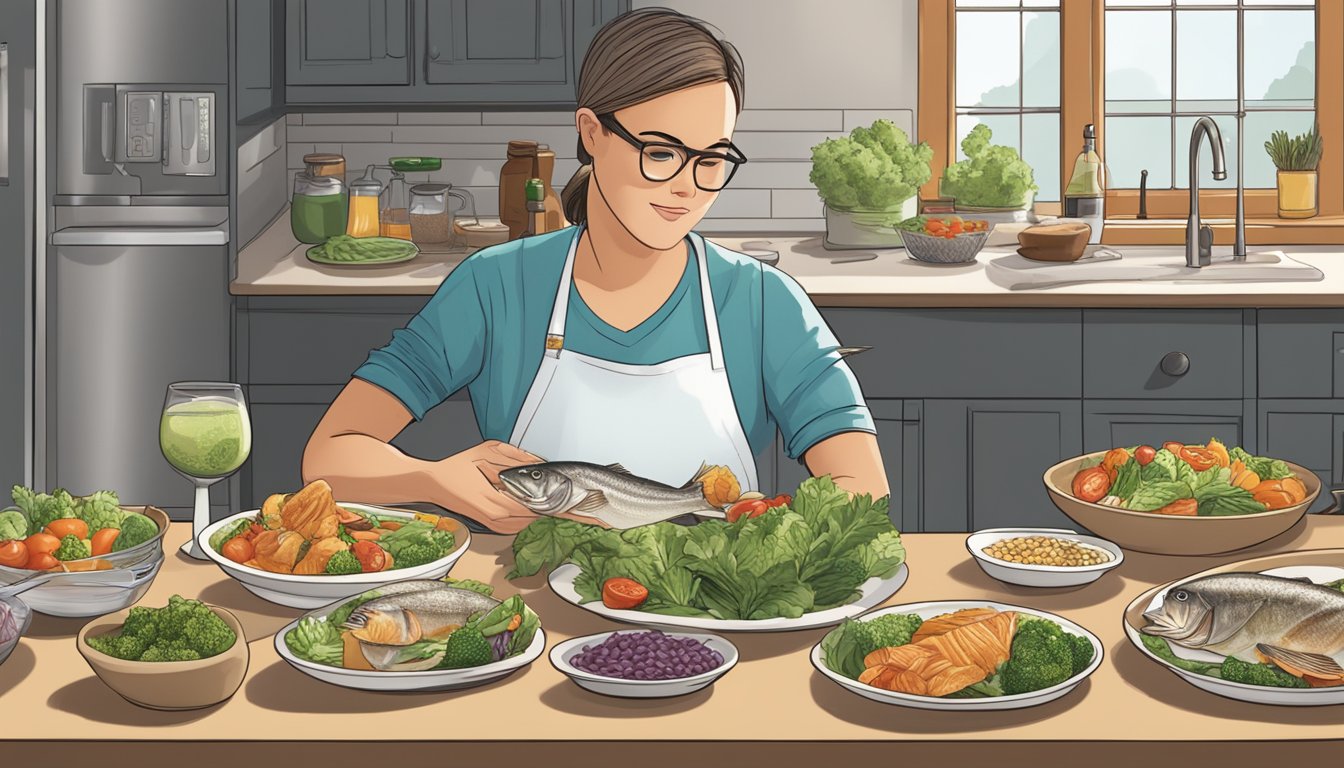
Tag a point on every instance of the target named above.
point(1199, 238)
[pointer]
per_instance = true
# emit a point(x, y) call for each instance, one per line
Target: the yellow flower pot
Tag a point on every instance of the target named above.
point(1297, 194)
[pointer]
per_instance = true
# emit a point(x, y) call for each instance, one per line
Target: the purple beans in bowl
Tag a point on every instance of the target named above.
point(644, 663)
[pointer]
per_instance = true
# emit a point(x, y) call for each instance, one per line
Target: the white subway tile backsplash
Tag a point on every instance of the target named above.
point(294, 118)
point(340, 133)
point(295, 153)
point(350, 118)
point(741, 204)
point(780, 145)
point(555, 136)
point(794, 203)
point(439, 118)
point(775, 174)
point(790, 120)
point(903, 118)
point(764, 226)
point(528, 118)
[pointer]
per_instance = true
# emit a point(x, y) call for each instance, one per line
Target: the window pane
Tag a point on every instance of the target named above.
point(988, 57)
point(987, 3)
point(1040, 63)
point(1041, 3)
point(1138, 2)
point(1280, 56)
point(1005, 129)
point(1206, 57)
point(1259, 125)
point(1138, 57)
point(1040, 148)
point(1227, 126)
point(1136, 143)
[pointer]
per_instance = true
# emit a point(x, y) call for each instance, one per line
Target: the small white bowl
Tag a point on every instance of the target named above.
point(563, 654)
point(1028, 575)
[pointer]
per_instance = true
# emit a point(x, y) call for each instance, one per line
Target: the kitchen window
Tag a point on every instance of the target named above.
point(1141, 71)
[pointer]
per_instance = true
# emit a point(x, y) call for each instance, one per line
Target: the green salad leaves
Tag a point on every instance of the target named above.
point(808, 556)
point(992, 176)
point(1168, 478)
point(872, 168)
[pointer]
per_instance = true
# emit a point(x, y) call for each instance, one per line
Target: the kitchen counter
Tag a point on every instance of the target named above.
point(772, 709)
point(274, 265)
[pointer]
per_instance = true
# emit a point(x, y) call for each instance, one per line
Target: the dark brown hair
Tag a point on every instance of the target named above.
point(640, 56)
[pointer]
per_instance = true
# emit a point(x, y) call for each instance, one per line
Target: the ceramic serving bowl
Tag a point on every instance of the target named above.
point(562, 657)
point(1174, 534)
point(18, 616)
point(1063, 241)
point(315, 591)
point(1030, 575)
point(170, 685)
point(942, 250)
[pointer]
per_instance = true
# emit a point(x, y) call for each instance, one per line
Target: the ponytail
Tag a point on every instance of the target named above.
point(574, 197)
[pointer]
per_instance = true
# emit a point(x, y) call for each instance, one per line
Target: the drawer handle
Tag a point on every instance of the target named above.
point(1175, 363)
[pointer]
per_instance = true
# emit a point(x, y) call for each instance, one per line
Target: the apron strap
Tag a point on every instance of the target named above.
point(555, 330)
point(707, 299)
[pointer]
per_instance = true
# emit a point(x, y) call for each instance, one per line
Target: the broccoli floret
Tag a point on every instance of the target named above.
point(100, 510)
point(136, 529)
point(1041, 656)
point(169, 653)
point(142, 623)
point(444, 540)
point(887, 631)
point(316, 640)
point(1082, 652)
point(418, 553)
point(73, 548)
point(42, 508)
point(208, 635)
point(123, 646)
point(1237, 671)
point(467, 647)
point(191, 624)
point(343, 562)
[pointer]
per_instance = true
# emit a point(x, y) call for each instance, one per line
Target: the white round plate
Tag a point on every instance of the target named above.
point(563, 654)
point(872, 593)
point(1255, 694)
point(1041, 575)
point(1016, 701)
point(318, 590)
point(416, 682)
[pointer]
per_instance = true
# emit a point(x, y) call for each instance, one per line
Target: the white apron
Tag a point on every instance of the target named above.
point(659, 421)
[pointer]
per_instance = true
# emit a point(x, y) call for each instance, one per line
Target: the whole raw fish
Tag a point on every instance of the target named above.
point(1294, 623)
point(415, 610)
point(609, 494)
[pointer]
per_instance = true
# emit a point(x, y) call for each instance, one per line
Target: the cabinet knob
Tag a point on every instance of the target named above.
point(434, 54)
point(1175, 363)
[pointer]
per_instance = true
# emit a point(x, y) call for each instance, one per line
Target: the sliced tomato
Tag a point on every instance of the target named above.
point(1145, 454)
point(1198, 457)
point(748, 508)
point(1174, 447)
point(13, 554)
point(1185, 507)
point(623, 593)
point(1091, 484)
point(371, 557)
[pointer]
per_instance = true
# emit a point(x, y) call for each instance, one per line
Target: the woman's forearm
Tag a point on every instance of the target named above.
point(853, 461)
point(362, 467)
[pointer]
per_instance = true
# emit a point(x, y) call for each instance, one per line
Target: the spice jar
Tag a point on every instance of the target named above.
point(317, 209)
point(325, 164)
point(363, 219)
point(394, 217)
point(432, 214)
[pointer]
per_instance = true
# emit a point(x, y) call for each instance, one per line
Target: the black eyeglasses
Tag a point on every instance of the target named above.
point(662, 161)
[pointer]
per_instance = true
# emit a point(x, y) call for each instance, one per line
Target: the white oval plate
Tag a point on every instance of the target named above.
point(1255, 694)
point(1016, 701)
point(1041, 575)
point(872, 593)
point(399, 682)
point(318, 590)
point(563, 654)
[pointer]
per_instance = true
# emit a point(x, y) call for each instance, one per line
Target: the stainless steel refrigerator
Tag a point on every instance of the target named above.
point(137, 269)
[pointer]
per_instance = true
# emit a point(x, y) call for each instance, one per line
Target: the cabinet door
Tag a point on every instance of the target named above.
point(1119, 423)
point(589, 16)
point(499, 42)
point(895, 438)
point(983, 461)
point(1309, 433)
point(348, 42)
point(254, 45)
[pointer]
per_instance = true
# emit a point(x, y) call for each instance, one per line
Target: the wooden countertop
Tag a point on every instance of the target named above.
point(773, 708)
point(274, 265)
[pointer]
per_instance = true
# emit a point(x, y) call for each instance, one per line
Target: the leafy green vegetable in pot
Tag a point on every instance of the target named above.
point(13, 525)
point(993, 176)
point(136, 529)
point(873, 168)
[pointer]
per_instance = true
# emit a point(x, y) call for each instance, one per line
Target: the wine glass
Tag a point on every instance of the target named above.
point(205, 434)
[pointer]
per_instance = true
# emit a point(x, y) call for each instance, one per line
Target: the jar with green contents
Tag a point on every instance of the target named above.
point(317, 211)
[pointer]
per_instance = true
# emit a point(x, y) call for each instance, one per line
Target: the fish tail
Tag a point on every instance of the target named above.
point(699, 475)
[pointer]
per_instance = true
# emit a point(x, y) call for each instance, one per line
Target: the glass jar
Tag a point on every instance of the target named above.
point(364, 192)
point(317, 209)
point(431, 222)
point(394, 216)
point(325, 164)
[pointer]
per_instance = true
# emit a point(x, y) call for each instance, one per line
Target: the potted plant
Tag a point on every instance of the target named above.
point(1296, 160)
point(868, 181)
point(993, 182)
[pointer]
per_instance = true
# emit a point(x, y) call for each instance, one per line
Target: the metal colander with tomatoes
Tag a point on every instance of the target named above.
point(1190, 480)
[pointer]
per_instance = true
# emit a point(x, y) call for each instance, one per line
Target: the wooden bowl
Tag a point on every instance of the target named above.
point(1065, 241)
point(1174, 534)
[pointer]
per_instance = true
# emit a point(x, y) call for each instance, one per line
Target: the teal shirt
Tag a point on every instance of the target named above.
point(485, 329)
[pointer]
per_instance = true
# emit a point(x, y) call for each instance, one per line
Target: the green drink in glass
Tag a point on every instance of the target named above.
point(205, 434)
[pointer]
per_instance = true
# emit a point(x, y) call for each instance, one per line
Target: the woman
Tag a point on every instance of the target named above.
point(623, 339)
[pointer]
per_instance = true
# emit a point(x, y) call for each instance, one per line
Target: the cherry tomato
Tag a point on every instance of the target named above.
point(371, 557)
point(42, 561)
point(1174, 447)
point(748, 508)
point(13, 554)
point(1198, 457)
point(782, 500)
point(238, 549)
point(1185, 507)
point(1116, 457)
point(1145, 454)
point(41, 544)
point(102, 541)
point(623, 593)
point(71, 526)
point(1091, 484)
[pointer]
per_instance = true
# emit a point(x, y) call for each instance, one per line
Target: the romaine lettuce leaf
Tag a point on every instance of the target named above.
point(1151, 496)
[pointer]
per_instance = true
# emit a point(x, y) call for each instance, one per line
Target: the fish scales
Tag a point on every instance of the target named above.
point(611, 495)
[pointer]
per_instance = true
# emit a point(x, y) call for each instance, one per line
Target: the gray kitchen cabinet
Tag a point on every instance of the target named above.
point(491, 43)
point(348, 42)
point(1309, 433)
point(1164, 353)
point(1301, 353)
point(1121, 423)
point(898, 437)
point(983, 461)
point(254, 57)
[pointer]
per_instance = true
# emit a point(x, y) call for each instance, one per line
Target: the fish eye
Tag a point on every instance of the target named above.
point(1181, 595)
point(536, 475)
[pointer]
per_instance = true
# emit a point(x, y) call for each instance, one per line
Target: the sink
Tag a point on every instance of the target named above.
point(1142, 264)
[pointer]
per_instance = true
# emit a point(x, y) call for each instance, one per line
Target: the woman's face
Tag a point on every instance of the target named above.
point(660, 213)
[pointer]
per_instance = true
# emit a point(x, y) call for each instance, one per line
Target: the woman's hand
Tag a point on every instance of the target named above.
point(468, 484)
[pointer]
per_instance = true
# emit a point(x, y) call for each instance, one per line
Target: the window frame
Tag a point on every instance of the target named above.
point(1082, 93)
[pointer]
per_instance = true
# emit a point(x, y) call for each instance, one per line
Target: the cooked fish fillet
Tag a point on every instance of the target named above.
point(950, 621)
point(319, 554)
point(277, 551)
point(311, 512)
point(985, 644)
